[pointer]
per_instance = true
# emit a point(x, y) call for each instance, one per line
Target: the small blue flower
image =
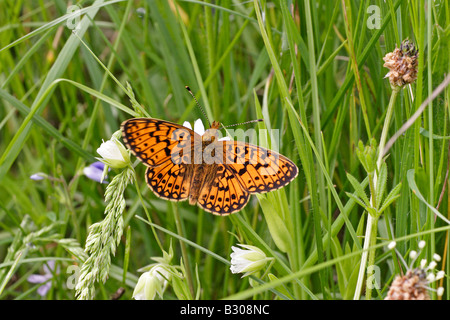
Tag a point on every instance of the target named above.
point(38, 176)
point(95, 171)
point(44, 278)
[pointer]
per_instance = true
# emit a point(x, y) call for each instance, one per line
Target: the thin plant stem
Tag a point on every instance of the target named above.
point(184, 251)
point(371, 261)
point(387, 120)
point(145, 209)
point(370, 219)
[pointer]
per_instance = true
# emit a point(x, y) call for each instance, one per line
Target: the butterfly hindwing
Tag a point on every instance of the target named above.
point(225, 194)
point(169, 181)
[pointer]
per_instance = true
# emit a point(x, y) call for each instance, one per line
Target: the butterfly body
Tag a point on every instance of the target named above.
point(200, 179)
point(217, 175)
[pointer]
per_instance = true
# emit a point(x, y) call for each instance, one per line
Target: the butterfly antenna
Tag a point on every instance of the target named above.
point(198, 104)
point(238, 124)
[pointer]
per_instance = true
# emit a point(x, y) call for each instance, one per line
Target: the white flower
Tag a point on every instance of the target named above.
point(199, 128)
point(151, 283)
point(114, 154)
point(415, 284)
point(247, 261)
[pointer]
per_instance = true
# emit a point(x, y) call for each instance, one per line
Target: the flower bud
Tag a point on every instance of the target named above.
point(151, 283)
point(392, 245)
point(38, 176)
point(114, 154)
point(402, 64)
point(367, 155)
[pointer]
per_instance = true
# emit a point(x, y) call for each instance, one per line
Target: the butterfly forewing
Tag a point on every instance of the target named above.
point(259, 170)
point(156, 141)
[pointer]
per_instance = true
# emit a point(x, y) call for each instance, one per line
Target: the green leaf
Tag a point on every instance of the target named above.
point(357, 200)
point(381, 184)
point(277, 227)
point(281, 288)
point(413, 186)
point(394, 194)
point(358, 189)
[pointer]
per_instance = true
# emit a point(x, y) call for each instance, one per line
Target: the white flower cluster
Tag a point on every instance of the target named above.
point(425, 268)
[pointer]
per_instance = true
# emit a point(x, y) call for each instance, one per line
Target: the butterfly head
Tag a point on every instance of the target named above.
point(211, 133)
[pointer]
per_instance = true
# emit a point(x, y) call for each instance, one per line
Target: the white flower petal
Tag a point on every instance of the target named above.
point(161, 274)
point(187, 125)
point(114, 154)
point(109, 150)
point(139, 296)
point(248, 260)
point(199, 128)
point(423, 263)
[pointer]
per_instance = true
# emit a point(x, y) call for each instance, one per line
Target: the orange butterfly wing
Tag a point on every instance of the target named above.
point(225, 195)
point(169, 181)
point(156, 141)
point(159, 145)
point(257, 169)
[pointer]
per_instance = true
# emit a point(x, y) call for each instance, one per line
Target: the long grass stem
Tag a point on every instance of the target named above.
point(370, 236)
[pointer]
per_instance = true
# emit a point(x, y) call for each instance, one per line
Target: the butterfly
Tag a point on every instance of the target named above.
point(216, 174)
